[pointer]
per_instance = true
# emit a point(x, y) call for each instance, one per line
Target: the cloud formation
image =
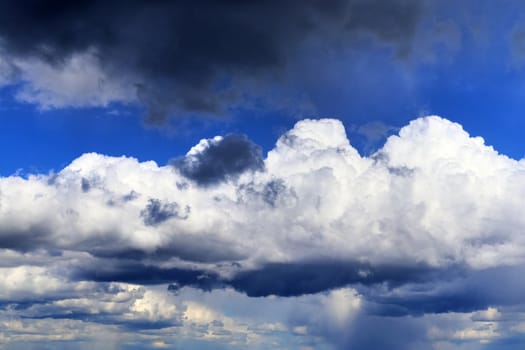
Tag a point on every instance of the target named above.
point(179, 57)
point(421, 228)
point(432, 195)
point(216, 160)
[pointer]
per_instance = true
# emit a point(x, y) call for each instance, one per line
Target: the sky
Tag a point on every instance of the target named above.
point(341, 174)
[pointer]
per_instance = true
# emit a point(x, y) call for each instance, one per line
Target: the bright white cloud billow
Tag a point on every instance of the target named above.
point(322, 235)
point(432, 195)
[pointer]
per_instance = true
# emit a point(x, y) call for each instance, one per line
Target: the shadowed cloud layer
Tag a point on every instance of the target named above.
point(427, 192)
point(179, 56)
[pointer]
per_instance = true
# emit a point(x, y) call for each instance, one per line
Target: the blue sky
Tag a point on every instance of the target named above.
point(340, 174)
point(473, 79)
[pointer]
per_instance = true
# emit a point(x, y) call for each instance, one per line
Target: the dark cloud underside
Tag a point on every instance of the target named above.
point(189, 56)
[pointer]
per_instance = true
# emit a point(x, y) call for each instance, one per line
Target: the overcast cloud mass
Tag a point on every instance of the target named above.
point(180, 57)
point(326, 205)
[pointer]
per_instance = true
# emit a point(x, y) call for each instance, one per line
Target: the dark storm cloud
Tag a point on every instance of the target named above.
point(452, 290)
point(125, 270)
point(185, 247)
point(390, 291)
point(25, 240)
point(284, 279)
point(221, 160)
point(156, 212)
point(293, 279)
point(188, 56)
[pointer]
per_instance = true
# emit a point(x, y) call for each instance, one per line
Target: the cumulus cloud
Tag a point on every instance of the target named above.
point(424, 226)
point(432, 196)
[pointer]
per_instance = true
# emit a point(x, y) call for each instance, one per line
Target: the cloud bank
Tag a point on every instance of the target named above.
point(179, 57)
point(421, 228)
point(432, 195)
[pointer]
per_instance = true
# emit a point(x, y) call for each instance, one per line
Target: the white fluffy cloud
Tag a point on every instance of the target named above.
point(433, 194)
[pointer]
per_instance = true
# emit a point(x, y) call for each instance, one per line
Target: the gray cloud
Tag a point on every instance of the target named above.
point(371, 332)
point(311, 277)
point(272, 191)
point(191, 57)
point(221, 159)
point(85, 185)
point(156, 212)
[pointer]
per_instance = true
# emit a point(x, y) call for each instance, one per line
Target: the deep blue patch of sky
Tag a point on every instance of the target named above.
point(478, 84)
